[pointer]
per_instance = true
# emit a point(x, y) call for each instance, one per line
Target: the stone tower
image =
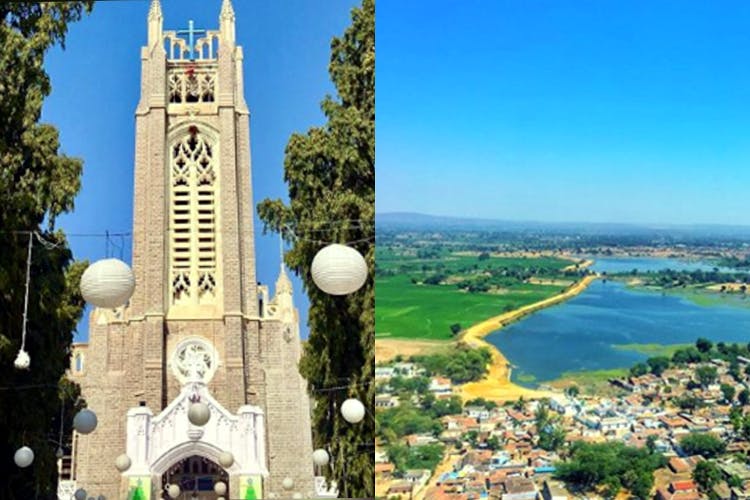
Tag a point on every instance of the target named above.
point(198, 327)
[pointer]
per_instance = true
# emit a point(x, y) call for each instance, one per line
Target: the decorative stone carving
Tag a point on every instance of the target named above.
point(194, 361)
point(157, 443)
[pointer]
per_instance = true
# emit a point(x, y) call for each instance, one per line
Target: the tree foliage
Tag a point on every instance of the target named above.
point(610, 465)
point(462, 364)
point(707, 445)
point(330, 172)
point(707, 475)
point(551, 433)
point(37, 184)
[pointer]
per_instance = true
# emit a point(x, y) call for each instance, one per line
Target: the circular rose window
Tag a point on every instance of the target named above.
point(194, 360)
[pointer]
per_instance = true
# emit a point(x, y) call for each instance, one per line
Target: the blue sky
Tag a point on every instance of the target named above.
point(565, 110)
point(96, 84)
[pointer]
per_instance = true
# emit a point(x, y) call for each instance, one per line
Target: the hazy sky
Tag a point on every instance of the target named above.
point(563, 110)
point(96, 85)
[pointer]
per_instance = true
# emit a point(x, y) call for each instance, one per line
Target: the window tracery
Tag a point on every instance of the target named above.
point(193, 218)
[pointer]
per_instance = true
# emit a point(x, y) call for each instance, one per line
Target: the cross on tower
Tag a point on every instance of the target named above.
point(191, 32)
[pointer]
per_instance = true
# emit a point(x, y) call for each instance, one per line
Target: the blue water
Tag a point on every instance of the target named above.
point(578, 335)
point(613, 265)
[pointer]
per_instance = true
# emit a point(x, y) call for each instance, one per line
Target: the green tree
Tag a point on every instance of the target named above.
point(551, 434)
point(489, 405)
point(639, 369)
point(728, 392)
point(658, 365)
point(451, 406)
point(703, 345)
point(608, 464)
point(706, 375)
point(330, 171)
point(493, 443)
point(744, 397)
point(706, 445)
point(706, 475)
point(37, 184)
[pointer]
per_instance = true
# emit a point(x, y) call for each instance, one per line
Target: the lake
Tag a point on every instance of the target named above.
point(613, 265)
point(578, 335)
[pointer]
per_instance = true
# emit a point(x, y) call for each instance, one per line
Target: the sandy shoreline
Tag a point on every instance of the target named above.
point(497, 385)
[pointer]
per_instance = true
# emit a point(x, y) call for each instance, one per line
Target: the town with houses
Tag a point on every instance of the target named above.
point(492, 450)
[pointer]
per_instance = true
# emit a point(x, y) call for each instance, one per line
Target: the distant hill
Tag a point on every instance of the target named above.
point(420, 222)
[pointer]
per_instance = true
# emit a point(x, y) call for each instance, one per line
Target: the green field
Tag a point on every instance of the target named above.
point(652, 350)
point(407, 308)
point(701, 295)
point(592, 382)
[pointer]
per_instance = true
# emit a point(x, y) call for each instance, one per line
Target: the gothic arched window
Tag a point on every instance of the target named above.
point(193, 218)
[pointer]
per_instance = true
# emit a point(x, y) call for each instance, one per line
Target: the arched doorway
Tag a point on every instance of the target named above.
point(196, 477)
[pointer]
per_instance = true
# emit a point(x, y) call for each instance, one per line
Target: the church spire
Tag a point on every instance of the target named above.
point(155, 10)
point(226, 9)
point(155, 20)
point(283, 283)
point(226, 21)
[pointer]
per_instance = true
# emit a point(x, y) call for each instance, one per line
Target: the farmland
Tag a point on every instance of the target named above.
point(431, 293)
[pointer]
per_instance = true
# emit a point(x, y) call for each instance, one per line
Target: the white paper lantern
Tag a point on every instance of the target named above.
point(85, 421)
point(80, 494)
point(220, 488)
point(59, 452)
point(226, 459)
point(320, 457)
point(173, 491)
point(23, 457)
point(199, 414)
point(353, 410)
point(339, 269)
point(287, 483)
point(23, 360)
point(107, 283)
point(122, 463)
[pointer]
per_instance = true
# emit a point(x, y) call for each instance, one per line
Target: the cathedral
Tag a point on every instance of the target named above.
point(199, 327)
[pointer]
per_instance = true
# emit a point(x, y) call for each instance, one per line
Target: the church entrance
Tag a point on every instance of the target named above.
point(196, 477)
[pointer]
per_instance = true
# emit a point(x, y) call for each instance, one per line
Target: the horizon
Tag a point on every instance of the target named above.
point(562, 222)
point(615, 111)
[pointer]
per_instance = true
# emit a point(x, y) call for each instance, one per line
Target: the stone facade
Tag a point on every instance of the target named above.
point(193, 283)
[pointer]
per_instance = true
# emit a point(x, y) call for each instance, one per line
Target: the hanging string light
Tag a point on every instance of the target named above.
point(320, 457)
point(173, 490)
point(59, 452)
point(85, 421)
point(220, 488)
point(339, 269)
point(23, 457)
point(122, 463)
point(287, 483)
point(226, 459)
point(353, 410)
point(107, 283)
point(23, 360)
point(199, 413)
